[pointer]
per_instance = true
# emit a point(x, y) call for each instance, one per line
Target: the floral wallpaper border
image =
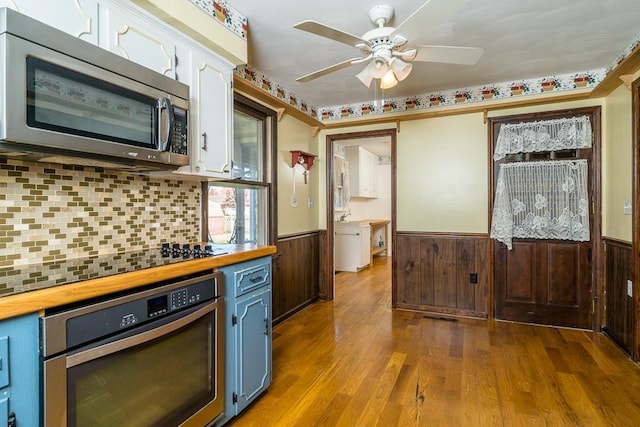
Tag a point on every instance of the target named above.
point(490, 92)
point(468, 95)
point(227, 15)
point(267, 84)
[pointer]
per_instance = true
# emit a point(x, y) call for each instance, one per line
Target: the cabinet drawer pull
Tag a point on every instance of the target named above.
point(257, 279)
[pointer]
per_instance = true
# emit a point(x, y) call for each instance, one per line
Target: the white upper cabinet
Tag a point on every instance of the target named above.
point(137, 37)
point(126, 29)
point(76, 17)
point(363, 172)
point(211, 116)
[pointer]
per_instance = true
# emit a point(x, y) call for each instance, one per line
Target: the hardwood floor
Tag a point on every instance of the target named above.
point(357, 362)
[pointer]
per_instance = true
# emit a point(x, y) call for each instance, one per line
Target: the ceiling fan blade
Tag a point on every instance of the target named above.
point(448, 54)
point(329, 32)
point(330, 69)
point(430, 14)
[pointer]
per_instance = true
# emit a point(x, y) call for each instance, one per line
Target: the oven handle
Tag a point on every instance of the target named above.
point(110, 348)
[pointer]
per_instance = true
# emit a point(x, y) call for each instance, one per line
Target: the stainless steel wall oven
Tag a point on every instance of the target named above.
point(154, 357)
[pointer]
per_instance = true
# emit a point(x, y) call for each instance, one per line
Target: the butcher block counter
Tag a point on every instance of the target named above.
point(27, 290)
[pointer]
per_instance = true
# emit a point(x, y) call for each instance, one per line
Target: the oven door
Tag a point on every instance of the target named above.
point(165, 373)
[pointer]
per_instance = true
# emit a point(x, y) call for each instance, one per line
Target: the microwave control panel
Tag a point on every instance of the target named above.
point(179, 140)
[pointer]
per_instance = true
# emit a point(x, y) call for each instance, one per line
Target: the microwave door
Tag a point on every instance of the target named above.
point(66, 101)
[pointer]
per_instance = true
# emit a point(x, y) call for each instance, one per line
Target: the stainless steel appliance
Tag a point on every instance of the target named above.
point(67, 101)
point(151, 357)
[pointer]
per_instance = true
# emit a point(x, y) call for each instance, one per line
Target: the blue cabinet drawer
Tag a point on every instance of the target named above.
point(252, 277)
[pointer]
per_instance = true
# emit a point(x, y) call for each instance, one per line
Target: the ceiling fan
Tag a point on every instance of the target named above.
point(389, 49)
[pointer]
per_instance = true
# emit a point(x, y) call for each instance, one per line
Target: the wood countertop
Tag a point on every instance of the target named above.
point(41, 299)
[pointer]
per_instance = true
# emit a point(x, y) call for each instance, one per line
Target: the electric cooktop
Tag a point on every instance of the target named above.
point(30, 277)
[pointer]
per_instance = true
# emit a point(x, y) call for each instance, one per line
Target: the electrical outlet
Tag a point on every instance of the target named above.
point(629, 288)
point(294, 200)
point(473, 277)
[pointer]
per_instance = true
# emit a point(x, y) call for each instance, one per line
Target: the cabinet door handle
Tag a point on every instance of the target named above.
point(204, 141)
point(266, 326)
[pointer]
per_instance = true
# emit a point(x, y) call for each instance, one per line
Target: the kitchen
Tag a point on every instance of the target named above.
point(78, 194)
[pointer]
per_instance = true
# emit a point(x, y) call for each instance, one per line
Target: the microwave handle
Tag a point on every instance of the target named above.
point(165, 104)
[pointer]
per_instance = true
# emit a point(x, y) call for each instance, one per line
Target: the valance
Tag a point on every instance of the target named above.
point(545, 135)
point(541, 200)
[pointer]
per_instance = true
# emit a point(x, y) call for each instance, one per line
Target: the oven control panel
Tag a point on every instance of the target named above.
point(104, 318)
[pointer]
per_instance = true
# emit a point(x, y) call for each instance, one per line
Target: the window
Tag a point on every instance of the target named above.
point(240, 211)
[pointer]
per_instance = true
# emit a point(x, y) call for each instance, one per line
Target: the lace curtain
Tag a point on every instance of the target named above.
point(546, 135)
point(541, 200)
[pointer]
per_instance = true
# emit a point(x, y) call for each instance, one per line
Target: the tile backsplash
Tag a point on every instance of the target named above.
point(52, 212)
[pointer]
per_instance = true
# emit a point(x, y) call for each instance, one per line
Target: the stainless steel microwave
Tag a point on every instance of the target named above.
point(64, 100)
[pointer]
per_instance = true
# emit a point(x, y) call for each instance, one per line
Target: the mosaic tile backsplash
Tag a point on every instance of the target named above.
point(52, 212)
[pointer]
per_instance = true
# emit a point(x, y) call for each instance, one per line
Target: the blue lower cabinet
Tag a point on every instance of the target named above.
point(253, 349)
point(248, 333)
point(19, 372)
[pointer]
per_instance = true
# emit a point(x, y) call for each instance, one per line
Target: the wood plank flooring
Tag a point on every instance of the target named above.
point(357, 362)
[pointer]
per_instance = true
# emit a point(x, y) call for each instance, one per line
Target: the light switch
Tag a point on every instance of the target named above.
point(294, 200)
point(626, 208)
point(310, 202)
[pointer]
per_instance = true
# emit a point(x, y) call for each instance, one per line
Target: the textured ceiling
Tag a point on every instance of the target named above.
point(523, 39)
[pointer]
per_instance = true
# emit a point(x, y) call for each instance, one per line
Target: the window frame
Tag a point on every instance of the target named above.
point(269, 182)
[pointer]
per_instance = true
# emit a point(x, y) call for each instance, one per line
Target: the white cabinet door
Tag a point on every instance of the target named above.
point(132, 34)
point(373, 175)
point(363, 170)
point(365, 245)
point(76, 17)
point(211, 116)
point(352, 246)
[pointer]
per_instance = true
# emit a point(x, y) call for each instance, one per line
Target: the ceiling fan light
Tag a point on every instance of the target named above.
point(377, 68)
point(401, 69)
point(365, 76)
point(388, 80)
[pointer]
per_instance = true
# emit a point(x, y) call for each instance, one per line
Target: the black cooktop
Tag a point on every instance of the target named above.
point(30, 277)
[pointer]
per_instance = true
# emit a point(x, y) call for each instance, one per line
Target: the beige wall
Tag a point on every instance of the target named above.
point(617, 164)
point(296, 135)
point(442, 175)
point(442, 170)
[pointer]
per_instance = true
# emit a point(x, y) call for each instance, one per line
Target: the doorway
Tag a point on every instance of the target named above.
point(375, 141)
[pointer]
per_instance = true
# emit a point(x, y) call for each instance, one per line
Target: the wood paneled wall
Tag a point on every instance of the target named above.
point(434, 273)
point(296, 274)
point(619, 305)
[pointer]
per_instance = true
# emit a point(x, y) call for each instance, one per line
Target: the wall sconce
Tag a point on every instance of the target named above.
point(302, 158)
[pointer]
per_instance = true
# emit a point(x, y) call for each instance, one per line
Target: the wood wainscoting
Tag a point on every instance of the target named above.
point(435, 273)
point(619, 304)
point(296, 273)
